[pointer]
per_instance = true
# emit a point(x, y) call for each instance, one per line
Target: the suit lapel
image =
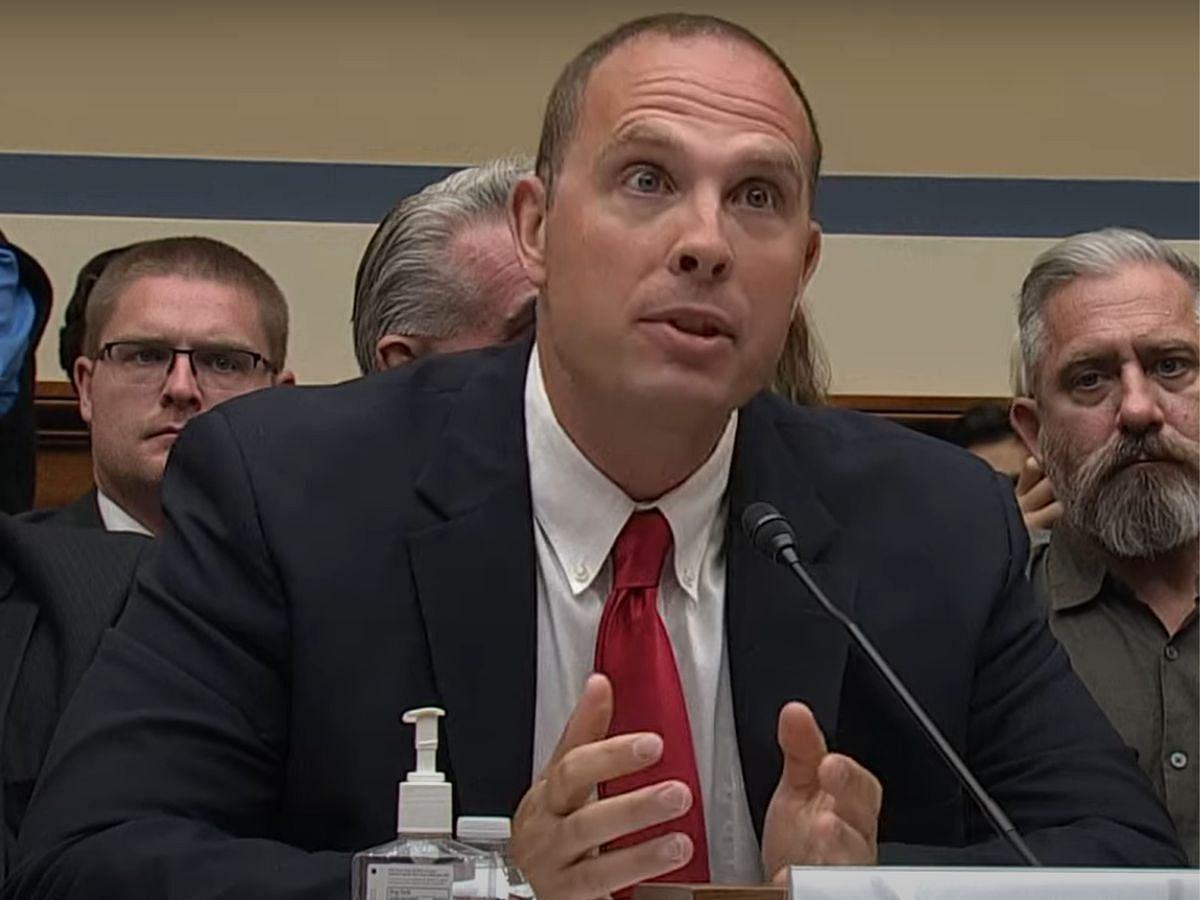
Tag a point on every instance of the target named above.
point(475, 581)
point(781, 645)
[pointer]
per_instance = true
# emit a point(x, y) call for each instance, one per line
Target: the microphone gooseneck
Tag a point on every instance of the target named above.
point(772, 535)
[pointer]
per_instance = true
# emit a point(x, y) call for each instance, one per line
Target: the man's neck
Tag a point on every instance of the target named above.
point(1167, 583)
point(646, 453)
point(146, 510)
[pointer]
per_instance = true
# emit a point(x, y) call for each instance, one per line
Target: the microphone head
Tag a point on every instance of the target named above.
point(768, 530)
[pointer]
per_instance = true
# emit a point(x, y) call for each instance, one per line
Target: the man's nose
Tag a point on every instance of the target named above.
point(180, 388)
point(702, 251)
point(1141, 407)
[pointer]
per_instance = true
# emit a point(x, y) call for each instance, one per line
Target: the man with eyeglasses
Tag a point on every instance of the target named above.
point(171, 328)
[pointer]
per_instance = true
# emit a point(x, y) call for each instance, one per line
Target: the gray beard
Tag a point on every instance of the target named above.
point(1133, 512)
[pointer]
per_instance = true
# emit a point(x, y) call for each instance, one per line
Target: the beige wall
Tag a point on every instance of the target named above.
point(1021, 87)
point(1065, 89)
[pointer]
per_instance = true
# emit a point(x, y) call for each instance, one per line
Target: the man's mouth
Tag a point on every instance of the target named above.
point(700, 323)
point(171, 430)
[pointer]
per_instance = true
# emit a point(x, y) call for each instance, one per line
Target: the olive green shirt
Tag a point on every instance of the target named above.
point(1147, 682)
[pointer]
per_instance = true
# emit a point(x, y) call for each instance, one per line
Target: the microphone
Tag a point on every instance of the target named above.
point(772, 535)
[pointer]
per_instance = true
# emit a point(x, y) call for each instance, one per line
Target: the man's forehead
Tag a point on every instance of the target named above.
point(711, 75)
point(1140, 299)
point(1070, 344)
point(178, 303)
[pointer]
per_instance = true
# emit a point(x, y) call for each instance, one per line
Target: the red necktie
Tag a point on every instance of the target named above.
point(634, 651)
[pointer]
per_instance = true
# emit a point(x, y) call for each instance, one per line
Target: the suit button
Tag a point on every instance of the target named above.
point(1178, 760)
point(1171, 653)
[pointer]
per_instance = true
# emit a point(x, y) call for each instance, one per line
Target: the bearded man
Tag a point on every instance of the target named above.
point(1108, 326)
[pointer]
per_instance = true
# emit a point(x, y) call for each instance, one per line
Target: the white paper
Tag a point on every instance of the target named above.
point(408, 881)
point(887, 883)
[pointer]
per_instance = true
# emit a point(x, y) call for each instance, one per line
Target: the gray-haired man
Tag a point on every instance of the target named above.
point(441, 273)
point(1109, 346)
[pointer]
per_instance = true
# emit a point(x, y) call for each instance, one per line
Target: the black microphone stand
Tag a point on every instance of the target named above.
point(772, 534)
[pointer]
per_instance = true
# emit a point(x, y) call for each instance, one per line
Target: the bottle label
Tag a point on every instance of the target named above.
point(405, 881)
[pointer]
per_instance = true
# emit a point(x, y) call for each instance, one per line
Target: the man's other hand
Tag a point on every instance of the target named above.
point(1035, 497)
point(825, 810)
point(559, 827)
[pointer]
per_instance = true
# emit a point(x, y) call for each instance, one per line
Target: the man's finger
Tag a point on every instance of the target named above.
point(1030, 474)
point(1038, 496)
point(571, 780)
point(837, 843)
point(1045, 517)
point(589, 720)
point(857, 793)
point(803, 747)
point(597, 876)
point(595, 824)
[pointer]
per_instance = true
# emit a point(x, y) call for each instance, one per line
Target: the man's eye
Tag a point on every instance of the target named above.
point(1172, 366)
point(645, 181)
point(759, 196)
point(148, 356)
point(226, 362)
point(1086, 381)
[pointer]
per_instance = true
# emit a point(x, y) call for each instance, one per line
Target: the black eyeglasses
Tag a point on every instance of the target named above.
point(218, 369)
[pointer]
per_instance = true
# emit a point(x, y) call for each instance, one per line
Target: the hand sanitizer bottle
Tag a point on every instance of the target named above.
point(492, 833)
point(424, 862)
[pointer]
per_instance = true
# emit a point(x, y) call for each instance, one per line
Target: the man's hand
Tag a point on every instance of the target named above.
point(559, 827)
point(1035, 496)
point(825, 810)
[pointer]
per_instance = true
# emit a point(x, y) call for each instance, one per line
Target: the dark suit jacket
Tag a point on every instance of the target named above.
point(83, 512)
point(338, 555)
point(59, 589)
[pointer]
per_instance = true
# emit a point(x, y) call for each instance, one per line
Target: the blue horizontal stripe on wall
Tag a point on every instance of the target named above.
point(162, 187)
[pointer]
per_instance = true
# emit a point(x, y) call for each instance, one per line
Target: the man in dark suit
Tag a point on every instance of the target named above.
point(336, 556)
point(25, 299)
point(156, 333)
point(59, 589)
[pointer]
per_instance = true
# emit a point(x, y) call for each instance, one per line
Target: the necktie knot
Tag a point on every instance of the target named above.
point(640, 550)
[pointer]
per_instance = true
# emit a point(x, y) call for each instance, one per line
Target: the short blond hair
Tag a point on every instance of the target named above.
point(189, 257)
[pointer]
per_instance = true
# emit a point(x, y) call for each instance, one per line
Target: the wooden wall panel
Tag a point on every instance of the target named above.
point(64, 466)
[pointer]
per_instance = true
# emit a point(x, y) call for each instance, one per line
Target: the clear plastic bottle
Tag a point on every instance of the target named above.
point(491, 833)
point(424, 862)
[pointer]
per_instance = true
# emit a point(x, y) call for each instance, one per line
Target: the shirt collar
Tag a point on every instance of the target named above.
point(115, 518)
point(1075, 569)
point(581, 511)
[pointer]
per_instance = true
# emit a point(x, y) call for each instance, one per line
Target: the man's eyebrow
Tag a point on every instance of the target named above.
point(217, 343)
point(1103, 358)
point(1152, 345)
point(641, 134)
point(786, 165)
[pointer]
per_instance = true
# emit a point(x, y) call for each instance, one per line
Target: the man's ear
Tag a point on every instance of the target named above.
point(1026, 421)
point(395, 350)
point(81, 374)
point(527, 222)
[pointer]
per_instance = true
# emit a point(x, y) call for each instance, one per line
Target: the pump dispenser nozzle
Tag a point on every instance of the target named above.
point(424, 803)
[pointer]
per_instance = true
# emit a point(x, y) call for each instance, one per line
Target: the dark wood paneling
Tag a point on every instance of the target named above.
point(64, 450)
point(64, 459)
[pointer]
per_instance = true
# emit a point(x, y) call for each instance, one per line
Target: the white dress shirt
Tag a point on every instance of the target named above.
point(115, 518)
point(578, 513)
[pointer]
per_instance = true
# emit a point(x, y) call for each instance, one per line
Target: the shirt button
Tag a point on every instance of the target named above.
point(1178, 760)
point(581, 572)
point(1171, 653)
point(688, 577)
